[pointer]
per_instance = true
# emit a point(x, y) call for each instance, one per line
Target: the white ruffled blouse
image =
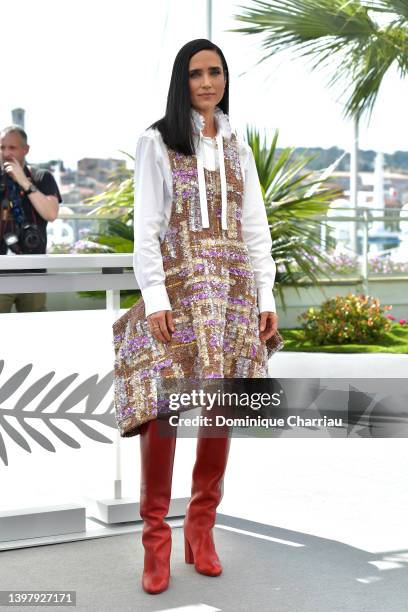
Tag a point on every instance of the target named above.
point(153, 201)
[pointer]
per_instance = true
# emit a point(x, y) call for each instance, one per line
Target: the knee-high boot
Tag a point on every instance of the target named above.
point(206, 494)
point(157, 459)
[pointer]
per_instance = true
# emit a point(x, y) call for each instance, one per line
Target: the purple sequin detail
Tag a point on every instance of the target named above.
point(240, 272)
point(241, 301)
point(214, 341)
point(185, 174)
point(185, 335)
point(223, 254)
point(161, 365)
point(127, 410)
point(212, 282)
point(202, 295)
point(188, 193)
point(137, 342)
point(156, 367)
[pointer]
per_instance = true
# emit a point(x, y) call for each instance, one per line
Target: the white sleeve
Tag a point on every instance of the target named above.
point(256, 233)
point(148, 219)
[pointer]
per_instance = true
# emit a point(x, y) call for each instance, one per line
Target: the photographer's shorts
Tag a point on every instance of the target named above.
point(25, 302)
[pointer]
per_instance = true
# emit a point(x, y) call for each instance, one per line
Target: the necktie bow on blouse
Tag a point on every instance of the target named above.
point(221, 119)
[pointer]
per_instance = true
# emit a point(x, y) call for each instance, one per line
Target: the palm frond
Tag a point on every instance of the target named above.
point(311, 25)
point(367, 67)
point(295, 199)
point(399, 7)
point(117, 243)
point(335, 34)
point(116, 199)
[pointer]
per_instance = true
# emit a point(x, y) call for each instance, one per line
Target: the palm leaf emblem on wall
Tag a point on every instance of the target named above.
point(91, 389)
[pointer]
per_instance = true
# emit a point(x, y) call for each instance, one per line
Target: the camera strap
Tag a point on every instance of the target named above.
point(14, 196)
point(33, 211)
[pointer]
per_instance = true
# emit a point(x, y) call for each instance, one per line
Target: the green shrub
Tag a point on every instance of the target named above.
point(346, 319)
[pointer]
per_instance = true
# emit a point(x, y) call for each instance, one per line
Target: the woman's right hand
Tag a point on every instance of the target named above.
point(161, 325)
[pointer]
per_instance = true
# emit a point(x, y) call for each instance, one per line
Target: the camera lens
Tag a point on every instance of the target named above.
point(31, 240)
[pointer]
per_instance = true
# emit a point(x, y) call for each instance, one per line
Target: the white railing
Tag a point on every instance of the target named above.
point(77, 272)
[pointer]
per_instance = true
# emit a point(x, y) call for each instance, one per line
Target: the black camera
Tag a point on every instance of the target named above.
point(27, 238)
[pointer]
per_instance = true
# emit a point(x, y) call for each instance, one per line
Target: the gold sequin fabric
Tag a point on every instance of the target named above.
point(211, 287)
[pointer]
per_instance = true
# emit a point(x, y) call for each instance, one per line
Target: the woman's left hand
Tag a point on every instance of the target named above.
point(268, 325)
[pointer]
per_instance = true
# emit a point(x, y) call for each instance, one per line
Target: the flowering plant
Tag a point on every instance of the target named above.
point(346, 319)
point(349, 264)
point(400, 322)
point(80, 246)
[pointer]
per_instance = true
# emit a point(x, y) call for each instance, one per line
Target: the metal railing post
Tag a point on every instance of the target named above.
point(113, 307)
point(364, 255)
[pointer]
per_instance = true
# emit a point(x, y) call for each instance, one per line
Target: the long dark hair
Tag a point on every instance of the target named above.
point(175, 127)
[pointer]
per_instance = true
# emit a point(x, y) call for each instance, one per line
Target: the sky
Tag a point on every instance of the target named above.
point(93, 74)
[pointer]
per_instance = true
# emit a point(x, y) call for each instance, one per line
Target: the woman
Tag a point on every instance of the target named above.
point(203, 264)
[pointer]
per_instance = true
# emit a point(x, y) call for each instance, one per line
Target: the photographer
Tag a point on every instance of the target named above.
point(29, 198)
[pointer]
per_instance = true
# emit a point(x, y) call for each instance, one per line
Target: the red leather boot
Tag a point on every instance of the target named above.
point(157, 459)
point(206, 494)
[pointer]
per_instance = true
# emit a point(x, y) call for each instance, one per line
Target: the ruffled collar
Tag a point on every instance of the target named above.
point(223, 130)
point(221, 120)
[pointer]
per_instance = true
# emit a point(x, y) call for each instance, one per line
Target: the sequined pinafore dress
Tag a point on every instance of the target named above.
point(211, 287)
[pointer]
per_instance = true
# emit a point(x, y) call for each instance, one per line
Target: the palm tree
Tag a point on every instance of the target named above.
point(358, 40)
point(117, 199)
point(295, 197)
point(117, 233)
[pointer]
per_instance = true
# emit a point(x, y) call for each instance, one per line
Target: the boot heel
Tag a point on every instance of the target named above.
point(188, 553)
